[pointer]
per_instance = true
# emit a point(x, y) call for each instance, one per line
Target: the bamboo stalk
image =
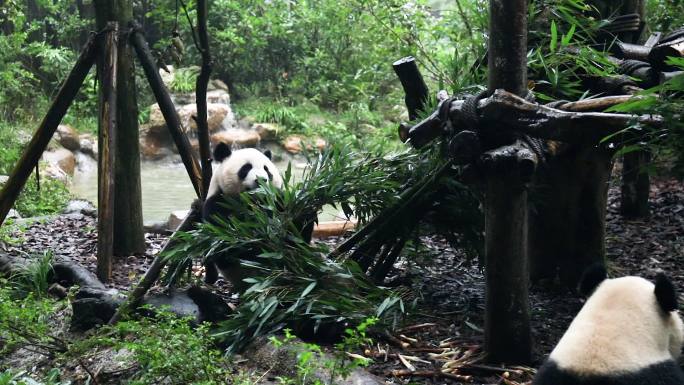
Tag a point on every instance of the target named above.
point(47, 128)
point(154, 271)
point(106, 160)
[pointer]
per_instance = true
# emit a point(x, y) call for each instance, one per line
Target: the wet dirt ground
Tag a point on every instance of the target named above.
point(447, 324)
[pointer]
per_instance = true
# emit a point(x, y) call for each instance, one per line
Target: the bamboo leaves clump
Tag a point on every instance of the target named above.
point(290, 282)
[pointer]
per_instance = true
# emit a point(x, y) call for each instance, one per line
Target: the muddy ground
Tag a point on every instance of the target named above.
point(451, 288)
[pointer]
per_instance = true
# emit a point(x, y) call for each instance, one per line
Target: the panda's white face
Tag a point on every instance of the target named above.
point(621, 327)
point(240, 170)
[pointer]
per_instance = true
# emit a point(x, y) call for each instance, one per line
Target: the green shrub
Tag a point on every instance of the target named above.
point(169, 350)
point(50, 199)
point(184, 79)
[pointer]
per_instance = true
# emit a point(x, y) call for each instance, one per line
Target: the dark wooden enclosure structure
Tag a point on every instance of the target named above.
point(514, 145)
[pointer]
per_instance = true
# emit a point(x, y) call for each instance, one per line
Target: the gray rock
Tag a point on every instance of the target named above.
point(282, 361)
point(175, 219)
point(158, 227)
point(4, 179)
point(80, 207)
point(13, 214)
point(88, 145)
point(267, 131)
point(62, 159)
point(67, 136)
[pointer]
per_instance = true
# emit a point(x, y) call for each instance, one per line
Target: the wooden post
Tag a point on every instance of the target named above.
point(201, 96)
point(415, 89)
point(47, 128)
point(167, 108)
point(106, 143)
point(507, 316)
point(129, 236)
point(635, 184)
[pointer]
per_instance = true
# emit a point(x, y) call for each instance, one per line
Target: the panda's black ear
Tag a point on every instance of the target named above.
point(591, 278)
point(665, 293)
point(221, 152)
point(268, 154)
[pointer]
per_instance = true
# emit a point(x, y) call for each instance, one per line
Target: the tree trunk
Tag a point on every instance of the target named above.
point(128, 221)
point(507, 315)
point(106, 160)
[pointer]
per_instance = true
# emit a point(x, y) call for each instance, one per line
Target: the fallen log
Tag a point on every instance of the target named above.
point(516, 113)
point(572, 122)
point(333, 228)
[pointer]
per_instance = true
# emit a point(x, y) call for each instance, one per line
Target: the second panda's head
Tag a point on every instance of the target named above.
point(241, 170)
point(627, 324)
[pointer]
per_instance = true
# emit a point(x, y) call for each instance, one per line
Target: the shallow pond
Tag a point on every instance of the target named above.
point(165, 187)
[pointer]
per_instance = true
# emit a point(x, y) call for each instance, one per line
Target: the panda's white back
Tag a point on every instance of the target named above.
point(620, 328)
point(628, 332)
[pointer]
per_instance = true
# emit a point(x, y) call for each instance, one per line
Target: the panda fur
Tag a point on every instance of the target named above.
point(236, 171)
point(628, 332)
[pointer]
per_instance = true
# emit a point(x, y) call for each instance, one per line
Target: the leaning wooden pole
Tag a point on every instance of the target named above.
point(167, 108)
point(154, 271)
point(507, 317)
point(201, 96)
point(47, 128)
point(106, 160)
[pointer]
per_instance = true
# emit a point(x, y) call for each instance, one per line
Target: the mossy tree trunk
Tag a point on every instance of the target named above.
point(128, 222)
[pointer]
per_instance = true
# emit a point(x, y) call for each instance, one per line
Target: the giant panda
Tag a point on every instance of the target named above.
point(235, 172)
point(628, 332)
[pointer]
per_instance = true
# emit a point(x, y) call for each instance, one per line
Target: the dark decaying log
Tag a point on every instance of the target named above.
point(107, 64)
point(653, 39)
point(415, 90)
point(630, 51)
point(507, 315)
point(516, 113)
point(201, 97)
point(71, 273)
point(425, 131)
point(595, 104)
point(660, 52)
point(167, 108)
point(515, 159)
point(46, 130)
point(667, 76)
point(154, 271)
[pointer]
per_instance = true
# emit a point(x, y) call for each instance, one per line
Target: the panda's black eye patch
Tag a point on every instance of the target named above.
point(244, 170)
point(270, 176)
